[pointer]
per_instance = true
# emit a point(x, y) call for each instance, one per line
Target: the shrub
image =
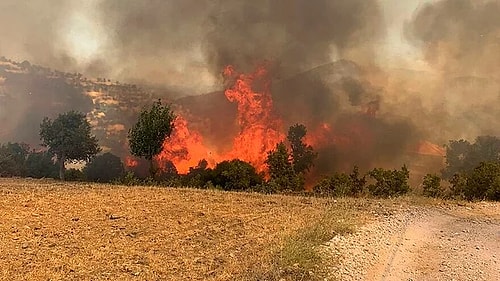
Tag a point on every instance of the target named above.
point(199, 176)
point(74, 175)
point(167, 173)
point(268, 187)
point(458, 185)
point(12, 159)
point(483, 182)
point(41, 165)
point(235, 175)
point(357, 182)
point(341, 184)
point(432, 186)
point(129, 179)
point(104, 168)
point(389, 182)
point(336, 185)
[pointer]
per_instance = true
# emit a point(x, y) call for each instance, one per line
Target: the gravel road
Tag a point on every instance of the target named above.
point(448, 242)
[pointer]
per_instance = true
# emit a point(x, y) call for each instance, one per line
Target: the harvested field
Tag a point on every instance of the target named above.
point(51, 230)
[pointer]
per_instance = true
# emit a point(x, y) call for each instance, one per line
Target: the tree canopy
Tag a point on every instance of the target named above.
point(235, 175)
point(303, 155)
point(281, 170)
point(69, 138)
point(463, 156)
point(41, 165)
point(154, 125)
point(12, 159)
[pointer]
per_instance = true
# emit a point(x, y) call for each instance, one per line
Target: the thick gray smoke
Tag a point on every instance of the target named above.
point(297, 35)
point(326, 65)
point(158, 41)
point(190, 41)
point(35, 31)
point(461, 42)
point(460, 36)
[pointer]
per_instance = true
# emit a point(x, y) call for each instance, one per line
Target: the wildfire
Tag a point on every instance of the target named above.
point(260, 128)
point(130, 162)
point(184, 148)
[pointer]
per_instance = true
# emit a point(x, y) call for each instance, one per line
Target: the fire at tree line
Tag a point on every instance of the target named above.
point(472, 169)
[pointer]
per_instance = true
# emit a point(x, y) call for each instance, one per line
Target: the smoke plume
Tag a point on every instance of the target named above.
point(324, 59)
point(460, 40)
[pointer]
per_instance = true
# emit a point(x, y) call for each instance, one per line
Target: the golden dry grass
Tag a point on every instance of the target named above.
point(51, 230)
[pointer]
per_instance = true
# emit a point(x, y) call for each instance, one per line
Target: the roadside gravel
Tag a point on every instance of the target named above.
point(421, 243)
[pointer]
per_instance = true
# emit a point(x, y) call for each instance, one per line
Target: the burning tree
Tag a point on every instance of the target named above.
point(147, 136)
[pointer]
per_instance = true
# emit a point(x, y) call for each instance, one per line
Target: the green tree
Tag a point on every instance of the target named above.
point(104, 168)
point(389, 182)
point(337, 185)
point(12, 159)
point(281, 172)
point(457, 152)
point(483, 182)
point(152, 128)
point(432, 186)
point(358, 182)
point(462, 156)
point(41, 165)
point(68, 137)
point(341, 184)
point(303, 155)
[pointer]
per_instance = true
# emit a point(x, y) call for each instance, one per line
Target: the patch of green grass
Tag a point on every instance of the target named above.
point(300, 258)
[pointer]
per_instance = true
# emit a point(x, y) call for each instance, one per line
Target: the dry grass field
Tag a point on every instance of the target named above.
point(51, 230)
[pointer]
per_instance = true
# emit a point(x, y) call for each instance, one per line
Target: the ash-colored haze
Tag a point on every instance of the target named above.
point(461, 43)
point(184, 44)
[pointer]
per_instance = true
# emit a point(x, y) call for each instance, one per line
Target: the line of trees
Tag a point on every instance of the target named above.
point(472, 169)
point(18, 160)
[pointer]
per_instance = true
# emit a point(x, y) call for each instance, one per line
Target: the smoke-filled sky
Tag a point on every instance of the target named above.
point(429, 69)
point(182, 43)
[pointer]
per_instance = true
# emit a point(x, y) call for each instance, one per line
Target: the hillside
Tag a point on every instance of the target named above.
point(28, 93)
point(338, 102)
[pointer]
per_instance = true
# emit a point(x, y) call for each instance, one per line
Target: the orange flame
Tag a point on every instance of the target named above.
point(259, 126)
point(130, 162)
point(184, 148)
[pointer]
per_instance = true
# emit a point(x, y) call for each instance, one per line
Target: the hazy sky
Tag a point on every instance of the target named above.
point(76, 36)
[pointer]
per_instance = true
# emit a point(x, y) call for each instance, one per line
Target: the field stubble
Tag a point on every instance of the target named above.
point(52, 230)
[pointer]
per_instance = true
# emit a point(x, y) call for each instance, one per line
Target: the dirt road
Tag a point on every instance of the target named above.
point(421, 243)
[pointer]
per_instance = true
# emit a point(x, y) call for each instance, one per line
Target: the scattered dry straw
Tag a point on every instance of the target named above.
point(64, 231)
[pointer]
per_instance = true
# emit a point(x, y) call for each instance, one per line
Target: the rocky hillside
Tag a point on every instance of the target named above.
point(29, 92)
